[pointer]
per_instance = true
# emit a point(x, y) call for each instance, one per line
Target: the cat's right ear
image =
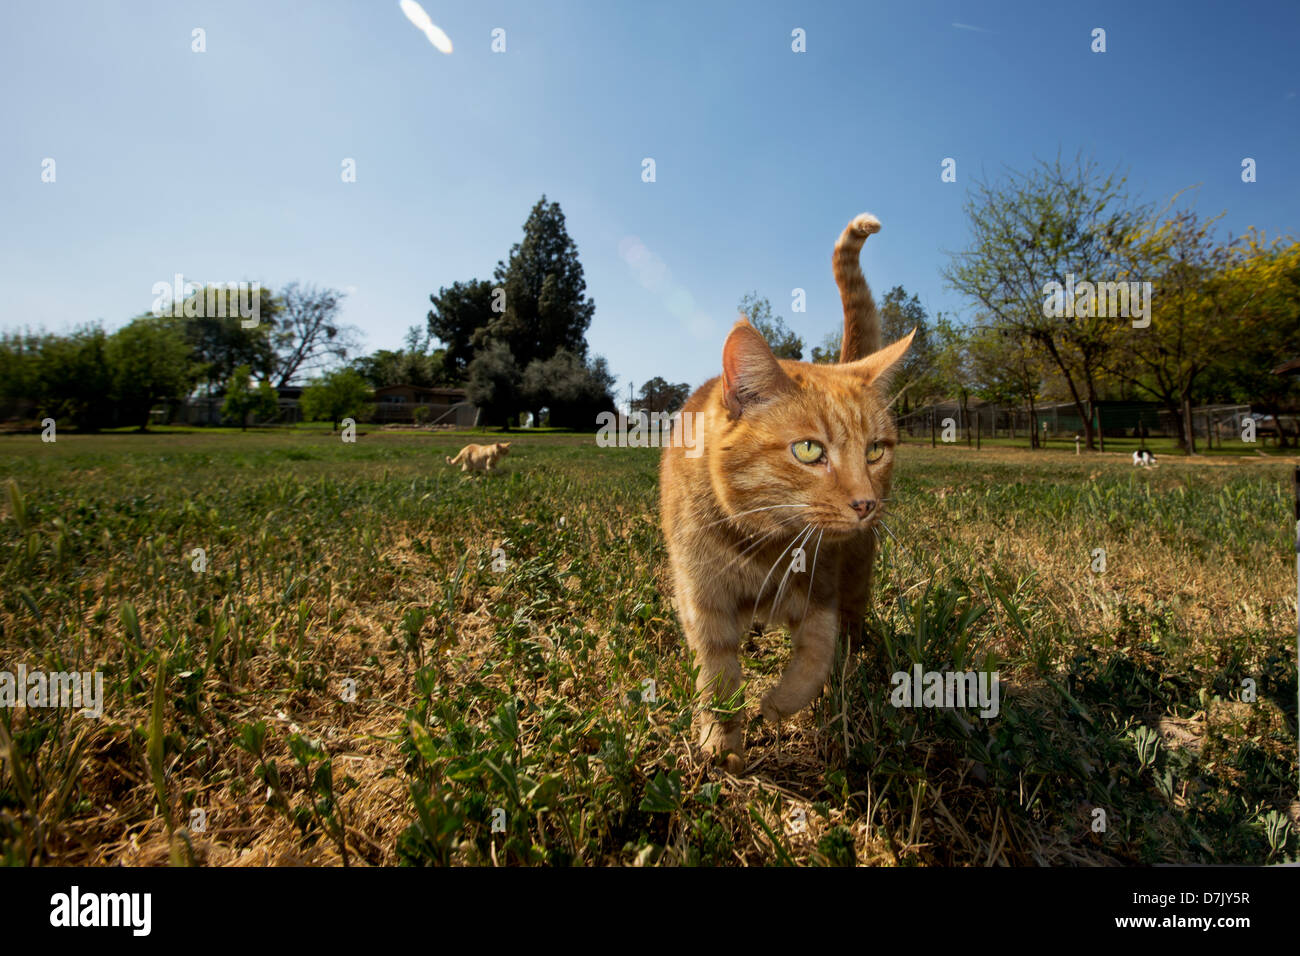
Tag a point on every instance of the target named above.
point(751, 374)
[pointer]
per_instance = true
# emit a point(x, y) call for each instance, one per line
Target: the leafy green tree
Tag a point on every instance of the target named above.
point(572, 390)
point(20, 357)
point(659, 395)
point(1006, 369)
point(73, 380)
point(1043, 226)
point(783, 342)
point(336, 395)
point(1266, 330)
point(150, 362)
point(413, 365)
point(954, 371)
point(459, 311)
point(400, 367)
point(898, 316)
point(1205, 293)
point(214, 328)
point(243, 400)
point(828, 353)
point(496, 384)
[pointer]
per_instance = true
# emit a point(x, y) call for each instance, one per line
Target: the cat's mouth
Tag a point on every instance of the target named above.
point(842, 527)
point(784, 519)
point(845, 530)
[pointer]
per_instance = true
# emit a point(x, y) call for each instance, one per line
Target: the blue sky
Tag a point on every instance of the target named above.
point(225, 165)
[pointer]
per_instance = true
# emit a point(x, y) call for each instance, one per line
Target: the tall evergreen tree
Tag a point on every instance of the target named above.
point(546, 307)
point(546, 312)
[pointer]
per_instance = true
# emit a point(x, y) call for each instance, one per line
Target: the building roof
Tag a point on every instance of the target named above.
point(422, 390)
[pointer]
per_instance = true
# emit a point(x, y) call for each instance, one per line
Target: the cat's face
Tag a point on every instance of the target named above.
point(503, 447)
point(810, 445)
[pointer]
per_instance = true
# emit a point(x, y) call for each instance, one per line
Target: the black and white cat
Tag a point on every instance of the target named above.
point(1143, 458)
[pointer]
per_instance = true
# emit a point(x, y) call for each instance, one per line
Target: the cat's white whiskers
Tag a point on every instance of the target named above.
point(812, 575)
point(749, 512)
point(758, 598)
point(761, 539)
point(776, 601)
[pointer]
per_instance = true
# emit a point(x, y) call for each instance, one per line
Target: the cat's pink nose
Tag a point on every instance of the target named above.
point(863, 506)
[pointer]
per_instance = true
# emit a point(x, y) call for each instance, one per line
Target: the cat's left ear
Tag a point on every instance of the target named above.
point(751, 375)
point(877, 367)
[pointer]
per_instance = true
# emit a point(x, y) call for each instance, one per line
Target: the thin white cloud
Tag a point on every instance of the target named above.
point(967, 26)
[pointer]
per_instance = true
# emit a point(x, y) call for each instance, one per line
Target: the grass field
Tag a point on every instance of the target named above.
point(384, 660)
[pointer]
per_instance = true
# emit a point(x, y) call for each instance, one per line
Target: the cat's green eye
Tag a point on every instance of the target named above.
point(807, 451)
point(875, 453)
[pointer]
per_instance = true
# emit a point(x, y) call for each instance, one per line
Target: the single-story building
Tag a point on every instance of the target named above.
point(446, 406)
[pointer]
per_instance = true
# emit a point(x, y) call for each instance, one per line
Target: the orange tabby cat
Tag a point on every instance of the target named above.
point(480, 457)
point(774, 521)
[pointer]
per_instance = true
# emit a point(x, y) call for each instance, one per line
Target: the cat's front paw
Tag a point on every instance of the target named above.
point(725, 747)
point(734, 763)
point(770, 711)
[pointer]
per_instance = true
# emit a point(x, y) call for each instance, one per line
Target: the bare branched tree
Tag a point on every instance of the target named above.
point(308, 335)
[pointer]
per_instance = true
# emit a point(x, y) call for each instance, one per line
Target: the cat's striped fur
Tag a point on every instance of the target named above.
point(736, 513)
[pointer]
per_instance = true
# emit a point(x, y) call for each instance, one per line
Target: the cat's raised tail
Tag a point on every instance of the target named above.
point(861, 322)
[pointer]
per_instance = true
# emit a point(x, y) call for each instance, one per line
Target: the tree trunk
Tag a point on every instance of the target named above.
point(1180, 433)
point(1189, 426)
point(1273, 409)
point(1074, 392)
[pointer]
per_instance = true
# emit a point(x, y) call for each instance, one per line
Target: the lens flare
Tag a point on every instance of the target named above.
point(415, 13)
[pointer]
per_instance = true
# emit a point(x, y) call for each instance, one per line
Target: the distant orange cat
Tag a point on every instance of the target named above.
point(774, 521)
point(480, 457)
